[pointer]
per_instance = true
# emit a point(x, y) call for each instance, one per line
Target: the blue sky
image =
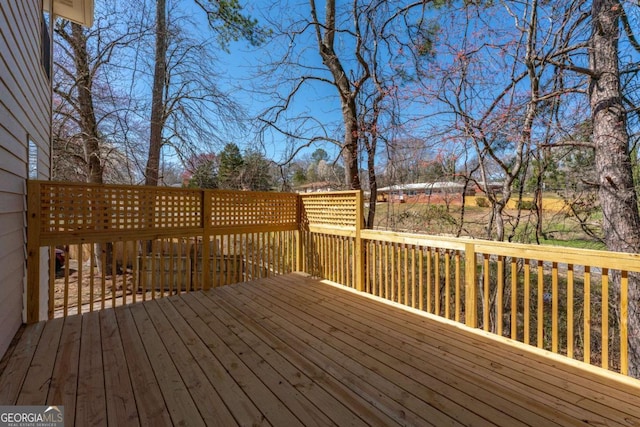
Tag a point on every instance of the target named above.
point(238, 69)
point(240, 65)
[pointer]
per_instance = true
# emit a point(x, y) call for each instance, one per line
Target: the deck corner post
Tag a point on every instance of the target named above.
point(33, 252)
point(206, 212)
point(299, 236)
point(470, 291)
point(359, 247)
point(299, 249)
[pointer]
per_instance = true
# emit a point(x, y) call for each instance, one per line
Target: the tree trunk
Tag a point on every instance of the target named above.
point(88, 123)
point(347, 96)
point(89, 133)
point(351, 130)
point(618, 199)
point(373, 182)
point(499, 220)
point(157, 97)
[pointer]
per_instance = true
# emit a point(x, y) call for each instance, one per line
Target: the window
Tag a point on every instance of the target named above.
point(45, 45)
point(33, 160)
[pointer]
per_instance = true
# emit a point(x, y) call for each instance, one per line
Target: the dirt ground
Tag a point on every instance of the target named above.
point(117, 291)
point(452, 220)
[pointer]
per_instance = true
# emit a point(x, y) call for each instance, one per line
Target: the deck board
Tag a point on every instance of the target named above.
point(502, 394)
point(91, 403)
point(284, 386)
point(291, 350)
point(38, 380)
point(180, 404)
point(196, 335)
point(152, 409)
point(203, 393)
point(270, 406)
point(354, 366)
point(545, 380)
point(394, 350)
point(64, 381)
point(308, 378)
point(121, 404)
point(17, 364)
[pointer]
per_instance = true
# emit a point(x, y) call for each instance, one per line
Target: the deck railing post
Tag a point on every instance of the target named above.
point(299, 235)
point(359, 246)
point(470, 291)
point(206, 211)
point(33, 251)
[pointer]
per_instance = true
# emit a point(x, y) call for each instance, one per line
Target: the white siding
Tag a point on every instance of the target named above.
point(24, 115)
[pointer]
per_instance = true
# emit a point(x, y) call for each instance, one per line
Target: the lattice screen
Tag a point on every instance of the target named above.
point(338, 209)
point(73, 207)
point(235, 209)
point(89, 208)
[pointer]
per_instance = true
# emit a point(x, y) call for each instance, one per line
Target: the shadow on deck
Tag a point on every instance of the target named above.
point(292, 350)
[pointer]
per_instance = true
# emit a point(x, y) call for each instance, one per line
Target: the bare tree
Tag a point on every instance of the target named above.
point(187, 106)
point(88, 112)
point(377, 100)
point(569, 56)
point(356, 43)
point(618, 198)
point(348, 91)
point(158, 114)
point(500, 110)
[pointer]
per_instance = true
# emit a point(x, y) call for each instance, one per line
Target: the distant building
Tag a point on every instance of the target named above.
point(316, 187)
point(425, 192)
point(434, 192)
point(478, 187)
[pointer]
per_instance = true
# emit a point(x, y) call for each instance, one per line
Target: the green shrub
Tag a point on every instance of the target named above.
point(482, 202)
point(526, 205)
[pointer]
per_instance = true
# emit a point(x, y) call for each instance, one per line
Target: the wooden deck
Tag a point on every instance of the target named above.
point(292, 351)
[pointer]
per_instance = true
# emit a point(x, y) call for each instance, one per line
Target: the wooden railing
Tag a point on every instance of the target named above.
point(569, 301)
point(134, 243)
point(572, 302)
point(419, 272)
point(330, 244)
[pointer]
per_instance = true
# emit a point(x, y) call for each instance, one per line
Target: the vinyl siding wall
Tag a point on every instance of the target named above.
point(24, 116)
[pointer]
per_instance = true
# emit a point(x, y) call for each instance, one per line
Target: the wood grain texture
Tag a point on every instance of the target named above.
point(293, 350)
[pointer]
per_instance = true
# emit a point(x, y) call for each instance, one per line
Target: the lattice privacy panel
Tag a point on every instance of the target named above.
point(331, 209)
point(238, 209)
point(73, 208)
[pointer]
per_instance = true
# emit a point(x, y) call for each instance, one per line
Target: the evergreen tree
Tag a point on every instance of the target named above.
point(230, 169)
point(256, 172)
point(204, 172)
